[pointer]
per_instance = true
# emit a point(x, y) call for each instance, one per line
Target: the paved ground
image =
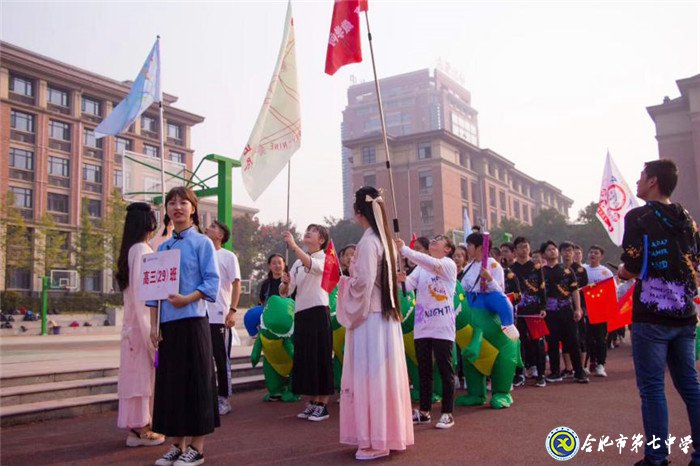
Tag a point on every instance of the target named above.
point(269, 433)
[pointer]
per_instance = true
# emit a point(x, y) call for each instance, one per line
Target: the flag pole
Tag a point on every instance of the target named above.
point(386, 144)
point(162, 175)
point(289, 184)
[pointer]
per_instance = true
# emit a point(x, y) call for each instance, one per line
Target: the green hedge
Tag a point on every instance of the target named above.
point(61, 301)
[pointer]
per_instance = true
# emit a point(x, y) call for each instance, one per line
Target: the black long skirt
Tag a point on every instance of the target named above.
point(312, 372)
point(185, 403)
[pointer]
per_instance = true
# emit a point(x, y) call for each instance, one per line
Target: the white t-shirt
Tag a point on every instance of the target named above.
point(597, 274)
point(307, 283)
point(229, 272)
point(435, 281)
point(471, 281)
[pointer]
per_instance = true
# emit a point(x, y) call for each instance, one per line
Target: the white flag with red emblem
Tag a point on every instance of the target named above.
point(616, 199)
point(277, 131)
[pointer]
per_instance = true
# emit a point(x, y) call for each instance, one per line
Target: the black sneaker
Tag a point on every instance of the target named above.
point(541, 382)
point(169, 457)
point(191, 457)
point(519, 380)
point(567, 374)
point(554, 377)
point(581, 378)
point(310, 407)
point(320, 413)
point(420, 418)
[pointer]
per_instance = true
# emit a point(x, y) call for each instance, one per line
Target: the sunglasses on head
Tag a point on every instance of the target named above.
point(437, 238)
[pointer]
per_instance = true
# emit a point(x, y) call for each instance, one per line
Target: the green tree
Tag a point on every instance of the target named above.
point(114, 226)
point(243, 239)
point(55, 251)
point(343, 232)
point(549, 224)
point(270, 242)
point(588, 230)
point(508, 226)
point(90, 245)
point(15, 236)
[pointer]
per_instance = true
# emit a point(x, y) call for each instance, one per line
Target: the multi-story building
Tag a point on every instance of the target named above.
point(677, 124)
point(439, 170)
point(51, 161)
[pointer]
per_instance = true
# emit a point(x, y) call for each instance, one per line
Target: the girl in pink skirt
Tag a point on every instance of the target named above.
point(375, 402)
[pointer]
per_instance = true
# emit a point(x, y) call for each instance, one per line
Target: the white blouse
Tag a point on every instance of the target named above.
point(307, 283)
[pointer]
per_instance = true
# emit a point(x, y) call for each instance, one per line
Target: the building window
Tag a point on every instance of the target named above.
point(476, 194)
point(492, 196)
point(148, 124)
point(22, 86)
point(94, 208)
point(464, 159)
point(369, 155)
point(424, 151)
point(19, 279)
point(177, 157)
point(150, 150)
point(91, 106)
point(494, 220)
point(122, 144)
point(526, 213)
point(425, 181)
point(23, 197)
point(502, 200)
point(369, 180)
point(174, 131)
point(59, 130)
point(57, 203)
point(516, 208)
point(21, 159)
point(492, 169)
point(21, 121)
point(118, 179)
point(57, 97)
point(463, 127)
point(58, 166)
point(92, 173)
point(464, 188)
point(93, 281)
point(89, 139)
point(426, 211)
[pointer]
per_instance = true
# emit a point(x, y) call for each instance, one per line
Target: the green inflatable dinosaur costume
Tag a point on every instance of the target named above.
point(486, 351)
point(275, 343)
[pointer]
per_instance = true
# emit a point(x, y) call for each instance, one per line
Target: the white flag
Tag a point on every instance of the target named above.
point(277, 132)
point(616, 199)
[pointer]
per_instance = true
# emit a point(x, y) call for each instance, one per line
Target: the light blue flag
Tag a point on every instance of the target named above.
point(144, 92)
point(467, 225)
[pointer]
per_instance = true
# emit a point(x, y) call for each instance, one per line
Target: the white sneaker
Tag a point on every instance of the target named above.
point(224, 406)
point(511, 332)
point(370, 454)
point(533, 372)
point(600, 371)
point(446, 421)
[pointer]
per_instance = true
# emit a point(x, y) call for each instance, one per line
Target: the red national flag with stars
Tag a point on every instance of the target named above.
point(331, 269)
point(623, 314)
point(601, 300)
point(344, 39)
point(536, 327)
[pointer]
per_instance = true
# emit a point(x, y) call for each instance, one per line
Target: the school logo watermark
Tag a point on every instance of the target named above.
point(562, 443)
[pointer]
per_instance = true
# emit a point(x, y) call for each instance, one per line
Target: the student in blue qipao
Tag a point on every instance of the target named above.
point(185, 402)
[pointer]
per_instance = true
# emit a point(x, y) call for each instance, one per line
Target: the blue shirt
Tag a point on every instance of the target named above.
point(198, 272)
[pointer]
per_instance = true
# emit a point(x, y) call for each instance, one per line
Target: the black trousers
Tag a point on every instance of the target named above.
point(221, 346)
point(441, 351)
point(563, 329)
point(532, 350)
point(596, 342)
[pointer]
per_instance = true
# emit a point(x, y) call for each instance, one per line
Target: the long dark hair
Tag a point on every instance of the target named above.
point(269, 261)
point(364, 208)
point(188, 195)
point(140, 221)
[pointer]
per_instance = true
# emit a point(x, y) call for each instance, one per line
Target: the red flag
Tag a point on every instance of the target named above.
point(413, 240)
point(623, 314)
point(601, 300)
point(536, 327)
point(331, 269)
point(344, 41)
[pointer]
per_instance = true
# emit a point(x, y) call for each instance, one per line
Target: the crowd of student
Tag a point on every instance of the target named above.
point(517, 282)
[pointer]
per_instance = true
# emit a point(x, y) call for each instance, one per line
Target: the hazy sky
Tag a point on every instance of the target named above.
point(555, 84)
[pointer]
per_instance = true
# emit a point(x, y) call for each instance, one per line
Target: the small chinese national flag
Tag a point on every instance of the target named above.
point(601, 300)
point(344, 41)
point(413, 240)
point(536, 327)
point(623, 314)
point(331, 269)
